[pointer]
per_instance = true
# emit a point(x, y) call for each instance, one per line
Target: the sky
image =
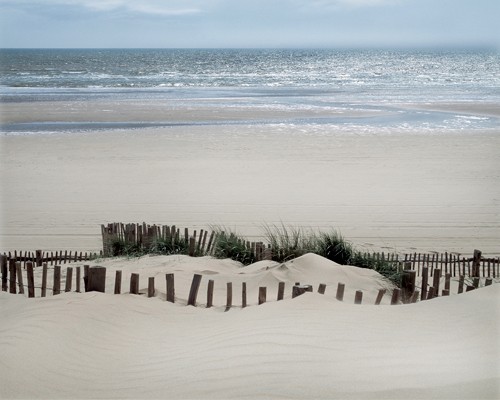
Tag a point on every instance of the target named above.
point(248, 23)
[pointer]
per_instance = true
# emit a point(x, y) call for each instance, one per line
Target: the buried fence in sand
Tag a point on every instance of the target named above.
point(94, 279)
point(433, 270)
point(142, 237)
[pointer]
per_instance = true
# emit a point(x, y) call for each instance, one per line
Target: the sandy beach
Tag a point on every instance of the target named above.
point(394, 190)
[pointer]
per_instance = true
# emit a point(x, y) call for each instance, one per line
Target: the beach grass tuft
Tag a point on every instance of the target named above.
point(229, 244)
point(288, 242)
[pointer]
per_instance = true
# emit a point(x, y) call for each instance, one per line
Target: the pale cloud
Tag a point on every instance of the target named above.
point(151, 7)
point(335, 4)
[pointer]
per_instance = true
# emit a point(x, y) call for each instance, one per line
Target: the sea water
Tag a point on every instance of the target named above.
point(349, 90)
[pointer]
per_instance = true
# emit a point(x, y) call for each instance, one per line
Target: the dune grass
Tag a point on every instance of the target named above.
point(229, 244)
point(286, 243)
point(291, 242)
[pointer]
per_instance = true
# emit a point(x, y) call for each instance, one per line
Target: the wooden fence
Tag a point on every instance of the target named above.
point(38, 257)
point(94, 279)
point(143, 236)
point(456, 264)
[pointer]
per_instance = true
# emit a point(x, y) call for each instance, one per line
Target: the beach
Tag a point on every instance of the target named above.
point(101, 345)
point(394, 190)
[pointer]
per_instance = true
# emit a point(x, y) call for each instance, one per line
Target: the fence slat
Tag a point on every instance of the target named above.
point(435, 281)
point(380, 295)
point(4, 270)
point(69, 279)
point(19, 274)
point(134, 283)
point(170, 288)
point(262, 294)
point(151, 286)
point(56, 288)
point(118, 282)
point(340, 291)
point(210, 293)
point(229, 299)
point(281, 291)
point(243, 294)
point(395, 296)
point(193, 292)
point(321, 288)
point(12, 276)
point(30, 278)
point(44, 280)
point(358, 298)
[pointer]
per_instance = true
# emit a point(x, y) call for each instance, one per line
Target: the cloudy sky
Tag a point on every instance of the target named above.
point(249, 23)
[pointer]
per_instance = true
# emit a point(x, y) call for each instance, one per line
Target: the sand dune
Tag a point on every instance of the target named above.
point(93, 345)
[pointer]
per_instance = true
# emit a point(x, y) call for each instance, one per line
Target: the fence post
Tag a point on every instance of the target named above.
point(358, 298)
point(414, 297)
point(151, 286)
point(210, 293)
point(281, 290)
point(321, 288)
point(4, 270)
point(395, 296)
point(96, 279)
point(488, 282)
point(229, 300)
point(435, 282)
point(19, 273)
point(78, 278)
point(44, 280)
point(193, 293)
point(340, 291)
point(262, 295)
point(31, 279)
point(430, 293)
point(39, 258)
point(476, 263)
point(408, 285)
point(170, 288)
point(243, 294)
point(69, 278)
point(12, 276)
point(461, 280)
point(192, 246)
point(56, 289)
point(118, 282)
point(425, 278)
point(447, 282)
point(380, 294)
point(134, 283)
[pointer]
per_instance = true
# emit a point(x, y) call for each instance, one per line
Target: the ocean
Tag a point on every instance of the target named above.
point(364, 91)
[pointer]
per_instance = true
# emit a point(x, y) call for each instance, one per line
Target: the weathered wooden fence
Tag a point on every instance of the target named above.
point(143, 237)
point(94, 279)
point(456, 264)
point(38, 257)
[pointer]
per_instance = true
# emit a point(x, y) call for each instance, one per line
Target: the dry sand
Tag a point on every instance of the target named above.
point(92, 345)
point(403, 192)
